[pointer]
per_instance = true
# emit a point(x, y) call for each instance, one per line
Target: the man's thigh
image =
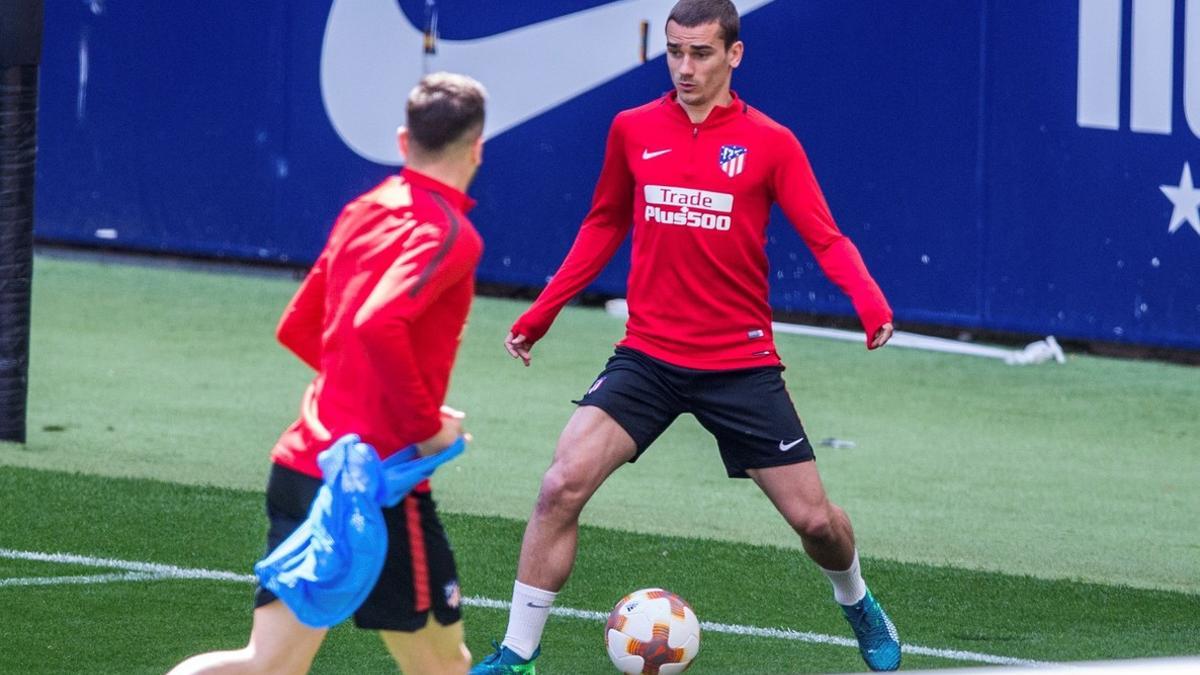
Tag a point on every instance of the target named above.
point(279, 641)
point(592, 446)
point(432, 649)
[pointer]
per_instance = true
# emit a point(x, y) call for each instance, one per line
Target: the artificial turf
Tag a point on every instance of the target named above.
point(145, 626)
point(1081, 471)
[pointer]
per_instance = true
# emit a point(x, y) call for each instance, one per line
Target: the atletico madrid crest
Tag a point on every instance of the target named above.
point(453, 594)
point(733, 159)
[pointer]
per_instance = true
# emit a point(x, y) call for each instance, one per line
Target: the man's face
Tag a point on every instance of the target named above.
point(699, 63)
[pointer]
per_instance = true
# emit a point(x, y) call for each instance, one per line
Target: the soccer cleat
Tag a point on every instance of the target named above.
point(878, 641)
point(505, 661)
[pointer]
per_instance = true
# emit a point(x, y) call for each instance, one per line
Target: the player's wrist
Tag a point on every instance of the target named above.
point(449, 432)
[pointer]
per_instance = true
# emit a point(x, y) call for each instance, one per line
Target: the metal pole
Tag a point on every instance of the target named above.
point(20, 54)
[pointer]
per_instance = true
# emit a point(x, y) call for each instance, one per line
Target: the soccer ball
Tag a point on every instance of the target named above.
point(652, 632)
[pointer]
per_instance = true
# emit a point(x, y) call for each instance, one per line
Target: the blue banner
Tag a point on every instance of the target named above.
point(1019, 165)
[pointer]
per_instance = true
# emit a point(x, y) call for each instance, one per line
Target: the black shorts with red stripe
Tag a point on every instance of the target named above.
point(418, 575)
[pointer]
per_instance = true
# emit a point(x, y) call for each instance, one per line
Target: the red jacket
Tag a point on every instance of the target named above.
point(380, 318)
point(698, 197)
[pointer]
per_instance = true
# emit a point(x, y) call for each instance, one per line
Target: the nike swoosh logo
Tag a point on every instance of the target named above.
point(371, 57)
point(536, 606)
point(789, 446)
point(646, 154)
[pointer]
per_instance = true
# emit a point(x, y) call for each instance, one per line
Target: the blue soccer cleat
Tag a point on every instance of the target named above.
point(505, 661)
point(878, 641)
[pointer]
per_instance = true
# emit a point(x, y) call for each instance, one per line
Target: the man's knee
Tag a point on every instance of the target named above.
point(564, 491)
point(591, 447)
point(814, 524)
point(433, 649)
point(456, 662)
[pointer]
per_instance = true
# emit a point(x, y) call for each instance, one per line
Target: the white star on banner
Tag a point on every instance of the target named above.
point(1185, 198)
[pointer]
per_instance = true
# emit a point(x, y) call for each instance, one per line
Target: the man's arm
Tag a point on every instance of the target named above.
point(599, 237)
point(429, 263)
point(796, 189)
point(303, 320)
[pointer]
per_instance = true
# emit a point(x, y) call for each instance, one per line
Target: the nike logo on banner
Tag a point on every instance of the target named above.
point(371, 57)
point(646, 154)
point(789, 446)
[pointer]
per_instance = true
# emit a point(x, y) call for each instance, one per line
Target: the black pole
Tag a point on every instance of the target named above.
point(20, 54)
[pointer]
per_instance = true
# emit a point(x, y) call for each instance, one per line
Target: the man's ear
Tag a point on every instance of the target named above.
point(736, 51)
point(477, 150)
point(402, 141)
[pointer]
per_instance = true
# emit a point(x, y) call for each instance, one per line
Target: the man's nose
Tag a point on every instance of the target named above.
point(687, 66)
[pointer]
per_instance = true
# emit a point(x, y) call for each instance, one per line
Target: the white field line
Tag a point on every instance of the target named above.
point(137, 571)
point(1036, 352)
point(782, 634)
point(89, 579)
point(157, 569)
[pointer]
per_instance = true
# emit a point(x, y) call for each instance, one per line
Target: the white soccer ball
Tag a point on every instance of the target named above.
point(652, 632)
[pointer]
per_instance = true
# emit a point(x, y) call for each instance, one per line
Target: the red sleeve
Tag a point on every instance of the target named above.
point(800, 197)
point(303, 321)
point(599, 237)
point(429, 263)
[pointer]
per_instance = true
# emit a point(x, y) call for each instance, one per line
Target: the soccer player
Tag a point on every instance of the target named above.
point(694, 174)
point(380, 318)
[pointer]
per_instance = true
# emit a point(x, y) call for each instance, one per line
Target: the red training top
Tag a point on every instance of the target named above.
point(698, 197)
point(380, 318)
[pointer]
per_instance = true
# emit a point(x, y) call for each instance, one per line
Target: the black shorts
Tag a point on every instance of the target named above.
point(418, 575)
point(748, 410)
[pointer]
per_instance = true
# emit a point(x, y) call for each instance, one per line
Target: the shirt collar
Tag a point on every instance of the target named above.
point(457, 198)
point(718, 115)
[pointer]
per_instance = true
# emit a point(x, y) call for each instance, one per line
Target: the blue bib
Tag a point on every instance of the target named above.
point(326, 568)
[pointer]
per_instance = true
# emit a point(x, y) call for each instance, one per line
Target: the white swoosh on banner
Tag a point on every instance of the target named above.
point(372, 56)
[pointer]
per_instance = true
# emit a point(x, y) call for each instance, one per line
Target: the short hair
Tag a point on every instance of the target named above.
point(692, 13)
point(444, 108)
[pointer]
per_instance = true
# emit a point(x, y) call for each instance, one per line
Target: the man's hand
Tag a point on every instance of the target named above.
point(882, 336)
point(518, 347)
point(452, 428)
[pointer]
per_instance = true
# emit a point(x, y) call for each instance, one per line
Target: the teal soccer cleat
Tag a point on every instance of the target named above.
point(505, 661)
point(878, 641)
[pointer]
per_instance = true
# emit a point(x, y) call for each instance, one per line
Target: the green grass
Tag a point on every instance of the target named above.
point(146, 626)
point(1084, 471)
point(1042, 513)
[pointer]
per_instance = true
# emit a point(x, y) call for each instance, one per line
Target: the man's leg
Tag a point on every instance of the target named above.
point(825, 531)
point(433, 650)
point(798, 495)
point(630, 404)
point(590, 448)
point(279, 643)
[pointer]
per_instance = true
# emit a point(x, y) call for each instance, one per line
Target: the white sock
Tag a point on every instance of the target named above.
point(527, 618)
point(848, 585)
